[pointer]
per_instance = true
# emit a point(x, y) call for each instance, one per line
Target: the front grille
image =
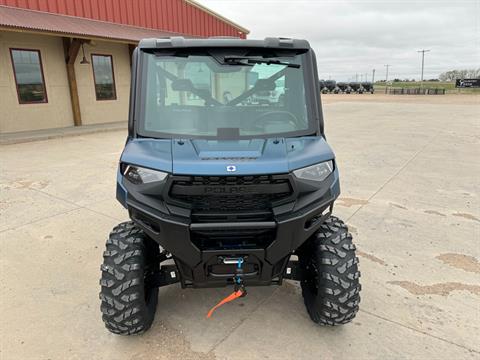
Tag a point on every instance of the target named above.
point(231, 198)
point(230, 202)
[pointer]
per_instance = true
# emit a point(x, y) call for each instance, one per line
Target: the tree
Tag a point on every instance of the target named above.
point(452, 75)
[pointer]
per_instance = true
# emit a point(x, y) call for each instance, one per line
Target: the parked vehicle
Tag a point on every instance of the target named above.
point(368, 86)
point(330, 85)
point(344, 87)
point(357, 87)
point(223, 191)
point(323, 88)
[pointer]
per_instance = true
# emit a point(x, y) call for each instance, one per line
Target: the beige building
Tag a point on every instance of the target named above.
point(53, 108)
point(59, 71)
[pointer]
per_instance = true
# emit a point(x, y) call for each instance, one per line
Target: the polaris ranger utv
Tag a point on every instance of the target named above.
point(222, 190)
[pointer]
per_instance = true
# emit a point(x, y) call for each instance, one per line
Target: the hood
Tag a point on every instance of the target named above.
point(227, 157)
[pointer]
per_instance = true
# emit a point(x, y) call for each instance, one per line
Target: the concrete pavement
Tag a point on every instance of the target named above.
point(410, 194)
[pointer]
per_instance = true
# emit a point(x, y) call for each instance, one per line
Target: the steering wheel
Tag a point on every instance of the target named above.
point(292, 119)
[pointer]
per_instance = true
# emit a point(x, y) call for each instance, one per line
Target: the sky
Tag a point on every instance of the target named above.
point(356, 36)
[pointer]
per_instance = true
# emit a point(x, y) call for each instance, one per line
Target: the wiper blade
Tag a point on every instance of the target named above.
point(269, 62)
point(230, 60)
point(239, 60)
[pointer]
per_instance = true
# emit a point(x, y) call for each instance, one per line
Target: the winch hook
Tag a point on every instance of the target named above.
point(238, 288)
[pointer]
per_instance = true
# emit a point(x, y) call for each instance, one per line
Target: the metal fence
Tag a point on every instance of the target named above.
point(414, 91)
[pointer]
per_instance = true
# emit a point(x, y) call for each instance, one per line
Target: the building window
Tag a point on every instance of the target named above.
point(104, 77)
point(28, 72)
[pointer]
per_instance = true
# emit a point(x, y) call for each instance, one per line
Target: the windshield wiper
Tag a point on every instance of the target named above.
point(239, 60)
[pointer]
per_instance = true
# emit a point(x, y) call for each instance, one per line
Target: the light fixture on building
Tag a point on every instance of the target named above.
point(84, 60)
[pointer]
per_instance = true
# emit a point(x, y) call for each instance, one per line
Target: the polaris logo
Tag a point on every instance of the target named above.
point(231, 168)
point(226, 189)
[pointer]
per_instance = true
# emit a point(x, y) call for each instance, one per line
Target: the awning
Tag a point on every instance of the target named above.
point(71, 26)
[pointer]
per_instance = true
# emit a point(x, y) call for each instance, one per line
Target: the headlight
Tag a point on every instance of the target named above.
point(317, 172)
point(139, 175)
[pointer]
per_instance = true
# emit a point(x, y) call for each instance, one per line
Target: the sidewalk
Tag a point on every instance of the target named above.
point(37, 135)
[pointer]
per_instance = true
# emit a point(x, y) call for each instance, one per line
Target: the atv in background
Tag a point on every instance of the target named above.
point(330, 85)
point(323, 88)
point(344, 87)
point(368, 86)
point(336, 90)
point(357, 87)
point(223, 190)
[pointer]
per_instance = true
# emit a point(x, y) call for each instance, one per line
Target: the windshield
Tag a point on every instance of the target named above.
point(215, 96)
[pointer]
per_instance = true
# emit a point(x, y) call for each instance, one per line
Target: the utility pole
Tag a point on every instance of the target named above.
point(386, 74)
point(373, 76)
point(423, 51)
point(386, 77)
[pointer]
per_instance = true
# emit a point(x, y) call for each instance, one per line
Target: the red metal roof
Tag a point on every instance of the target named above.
point(74, 26)
point(187, 17)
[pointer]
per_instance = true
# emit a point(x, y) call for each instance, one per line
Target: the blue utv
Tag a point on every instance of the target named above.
point(224, 190)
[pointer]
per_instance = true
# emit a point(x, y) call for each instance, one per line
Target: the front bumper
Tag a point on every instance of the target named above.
point(264, 265)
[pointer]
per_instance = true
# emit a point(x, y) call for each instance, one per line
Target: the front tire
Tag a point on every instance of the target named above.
point(330, 285)
point(128, 303)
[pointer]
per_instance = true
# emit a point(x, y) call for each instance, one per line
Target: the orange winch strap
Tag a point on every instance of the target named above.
point(231, 297)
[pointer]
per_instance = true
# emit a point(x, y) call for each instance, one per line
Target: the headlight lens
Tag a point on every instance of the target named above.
point(317, 172)
point(139, 175)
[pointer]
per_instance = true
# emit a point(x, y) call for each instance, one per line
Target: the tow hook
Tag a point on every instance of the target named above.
point(238, 287)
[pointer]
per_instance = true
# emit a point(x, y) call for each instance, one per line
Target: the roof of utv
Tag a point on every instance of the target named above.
point(226, 42)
